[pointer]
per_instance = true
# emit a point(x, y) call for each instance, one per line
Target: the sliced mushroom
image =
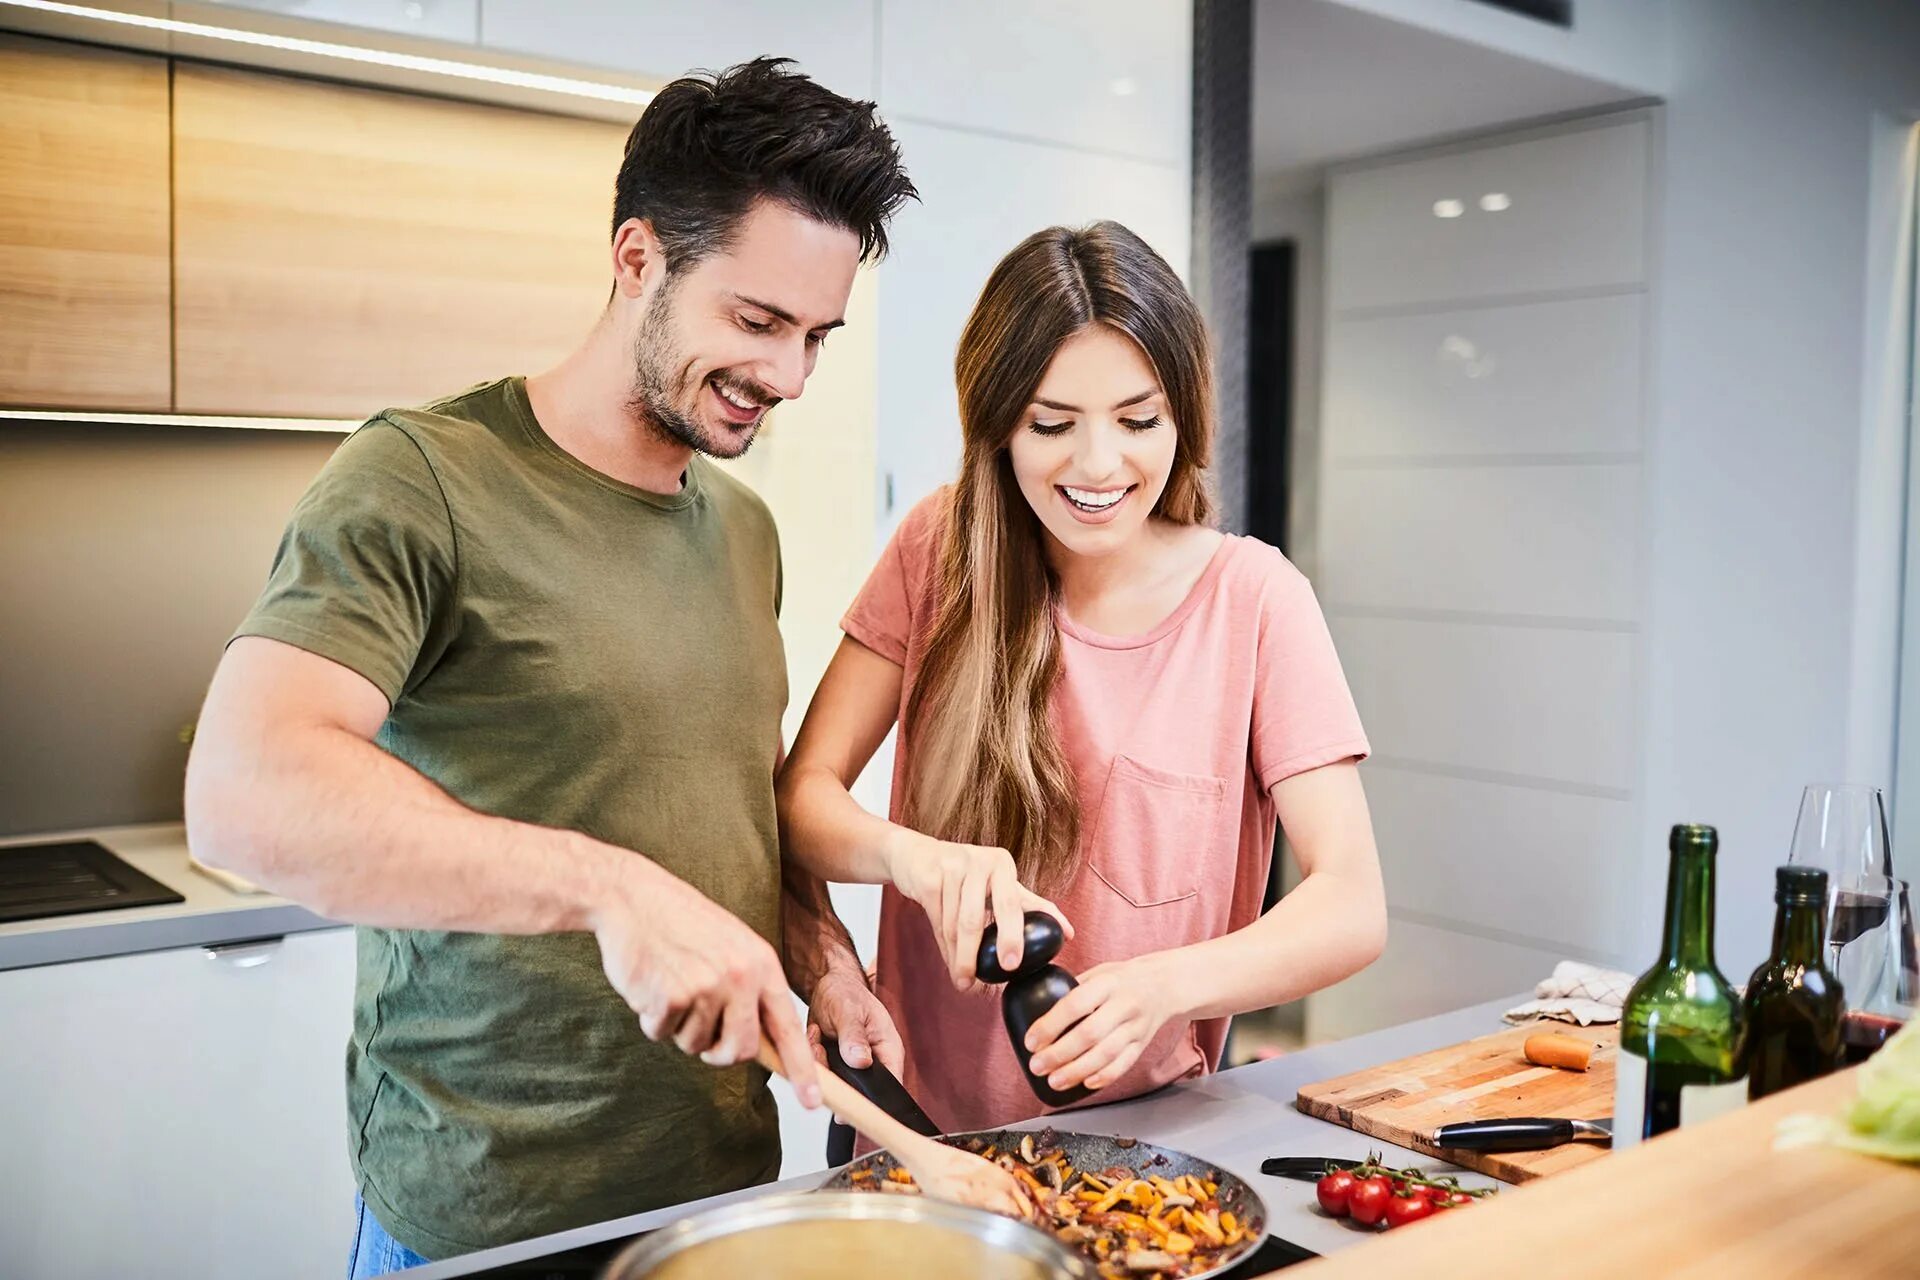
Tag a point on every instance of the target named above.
point(1147, 1261)
point(1175, 1200)
point(1050, 1174)
point(1026, 1147)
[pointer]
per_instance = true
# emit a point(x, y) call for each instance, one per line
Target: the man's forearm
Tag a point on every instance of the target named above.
point(814, 942)
point(328, 819)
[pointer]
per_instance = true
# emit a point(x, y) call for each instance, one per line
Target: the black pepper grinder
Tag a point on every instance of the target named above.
point(1033, 989)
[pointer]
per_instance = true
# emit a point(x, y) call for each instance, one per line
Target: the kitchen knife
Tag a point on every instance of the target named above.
point(879, 1086)
point(1530, 1133)
point(1303, 1168)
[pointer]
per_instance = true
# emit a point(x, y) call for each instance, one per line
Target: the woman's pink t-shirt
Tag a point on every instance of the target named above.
point(1176, 739)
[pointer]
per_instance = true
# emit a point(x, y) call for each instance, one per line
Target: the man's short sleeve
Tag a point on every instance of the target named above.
point(367, 568)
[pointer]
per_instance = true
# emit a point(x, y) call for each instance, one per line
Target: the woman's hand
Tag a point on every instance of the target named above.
point(1098, 1030)
point(961, 887)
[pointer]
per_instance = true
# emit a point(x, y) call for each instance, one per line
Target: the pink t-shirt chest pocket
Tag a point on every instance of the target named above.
point(1154, 831)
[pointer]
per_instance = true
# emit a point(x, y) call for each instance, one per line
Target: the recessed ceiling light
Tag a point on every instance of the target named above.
point(1495, 201)
point(1448, 208)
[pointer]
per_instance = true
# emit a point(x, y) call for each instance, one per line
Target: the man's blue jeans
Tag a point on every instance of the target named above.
point(375, 1253)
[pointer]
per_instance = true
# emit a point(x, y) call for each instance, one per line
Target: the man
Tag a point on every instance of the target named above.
point(511, 702)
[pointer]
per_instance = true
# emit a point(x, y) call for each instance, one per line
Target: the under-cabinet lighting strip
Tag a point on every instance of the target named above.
point(349, 53)
point(89, 418)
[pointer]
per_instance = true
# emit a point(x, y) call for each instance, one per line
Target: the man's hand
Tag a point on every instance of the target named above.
point(698, 976)
point(844, 1007)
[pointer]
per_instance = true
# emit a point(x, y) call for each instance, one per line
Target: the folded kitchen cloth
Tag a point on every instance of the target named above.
point(1577, 992)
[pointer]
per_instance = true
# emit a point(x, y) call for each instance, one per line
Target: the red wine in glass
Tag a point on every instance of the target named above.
point(1862, 1034)
point(1854, 914)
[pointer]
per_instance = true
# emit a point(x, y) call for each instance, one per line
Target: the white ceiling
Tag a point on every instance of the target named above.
point(1331, 83)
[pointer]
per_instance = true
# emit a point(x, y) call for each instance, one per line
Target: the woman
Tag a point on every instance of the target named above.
point(1103, 699)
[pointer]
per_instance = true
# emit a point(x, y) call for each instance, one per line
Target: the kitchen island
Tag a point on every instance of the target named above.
point(1709, 1202)
point(1234, 1118)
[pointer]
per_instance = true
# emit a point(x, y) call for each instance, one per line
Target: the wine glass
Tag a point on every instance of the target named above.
point(1877, 967)
point(1842, 829)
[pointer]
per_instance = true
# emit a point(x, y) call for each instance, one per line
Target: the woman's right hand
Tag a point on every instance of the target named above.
point(961, 887)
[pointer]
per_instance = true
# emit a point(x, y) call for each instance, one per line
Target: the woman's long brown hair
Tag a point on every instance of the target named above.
point(985, 763)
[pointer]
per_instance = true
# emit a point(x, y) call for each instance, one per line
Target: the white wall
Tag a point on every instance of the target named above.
point(1757, 493)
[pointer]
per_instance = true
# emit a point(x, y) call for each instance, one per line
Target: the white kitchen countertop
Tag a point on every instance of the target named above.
point(211, 914)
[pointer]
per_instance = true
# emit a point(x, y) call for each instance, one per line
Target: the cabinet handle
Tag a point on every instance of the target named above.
point(250, 953)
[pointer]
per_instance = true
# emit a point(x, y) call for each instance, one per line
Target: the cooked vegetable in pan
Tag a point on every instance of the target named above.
point(1132, 1222)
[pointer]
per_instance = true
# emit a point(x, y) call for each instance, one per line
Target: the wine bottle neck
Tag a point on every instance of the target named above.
point(1799, 933)
point(1689, 935)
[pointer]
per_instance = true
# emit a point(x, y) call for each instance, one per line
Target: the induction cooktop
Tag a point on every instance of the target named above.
point(70, 877)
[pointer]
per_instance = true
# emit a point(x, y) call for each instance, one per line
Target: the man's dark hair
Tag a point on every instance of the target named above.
point(709, 145)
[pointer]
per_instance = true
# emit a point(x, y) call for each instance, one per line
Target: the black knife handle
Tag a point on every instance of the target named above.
point(1528, 1134)
point(880, 1086)
point(1303, 1168)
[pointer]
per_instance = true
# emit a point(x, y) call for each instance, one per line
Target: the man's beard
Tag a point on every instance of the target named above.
point(659, 387)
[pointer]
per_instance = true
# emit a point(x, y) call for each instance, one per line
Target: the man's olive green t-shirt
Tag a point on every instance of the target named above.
point(563, 649)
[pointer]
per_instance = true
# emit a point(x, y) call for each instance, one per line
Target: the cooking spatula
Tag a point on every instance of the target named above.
point(942, 1171)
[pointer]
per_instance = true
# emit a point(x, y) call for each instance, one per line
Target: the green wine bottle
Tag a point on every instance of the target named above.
point(1794, 1005)
point(1681, 1029)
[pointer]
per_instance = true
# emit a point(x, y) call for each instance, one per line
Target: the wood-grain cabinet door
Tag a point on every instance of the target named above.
point(84, 282)
point(339, 250)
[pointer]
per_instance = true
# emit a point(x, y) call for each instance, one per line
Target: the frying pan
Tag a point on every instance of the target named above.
point(1088, 1151)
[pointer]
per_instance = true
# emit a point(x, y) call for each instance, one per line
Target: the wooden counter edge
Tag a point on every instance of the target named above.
point(1716, 1200)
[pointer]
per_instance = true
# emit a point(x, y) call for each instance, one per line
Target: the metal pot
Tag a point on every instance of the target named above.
point(831, 1235)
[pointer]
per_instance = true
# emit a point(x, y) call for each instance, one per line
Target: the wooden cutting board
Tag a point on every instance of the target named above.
point(1484, 1079)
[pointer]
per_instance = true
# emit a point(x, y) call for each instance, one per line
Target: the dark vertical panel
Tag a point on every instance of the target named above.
point(1222, 224)
point(1270, 374)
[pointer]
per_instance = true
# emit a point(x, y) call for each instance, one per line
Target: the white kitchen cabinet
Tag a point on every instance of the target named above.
point(1555, 379)
point(1554, 866)
point(1473, 539)
point(178, 1113)
point(1553, 705)
point(981, 196)
point(435, 19)
point(1107, 75)
point(1569, 214)
point(832, 40)
point(1481, 481)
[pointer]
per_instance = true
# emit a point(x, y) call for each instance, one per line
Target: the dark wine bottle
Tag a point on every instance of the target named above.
point(1794, 1004)
point(1681, 1028)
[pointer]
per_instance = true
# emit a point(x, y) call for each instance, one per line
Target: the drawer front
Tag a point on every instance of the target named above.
point(193, 1102)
